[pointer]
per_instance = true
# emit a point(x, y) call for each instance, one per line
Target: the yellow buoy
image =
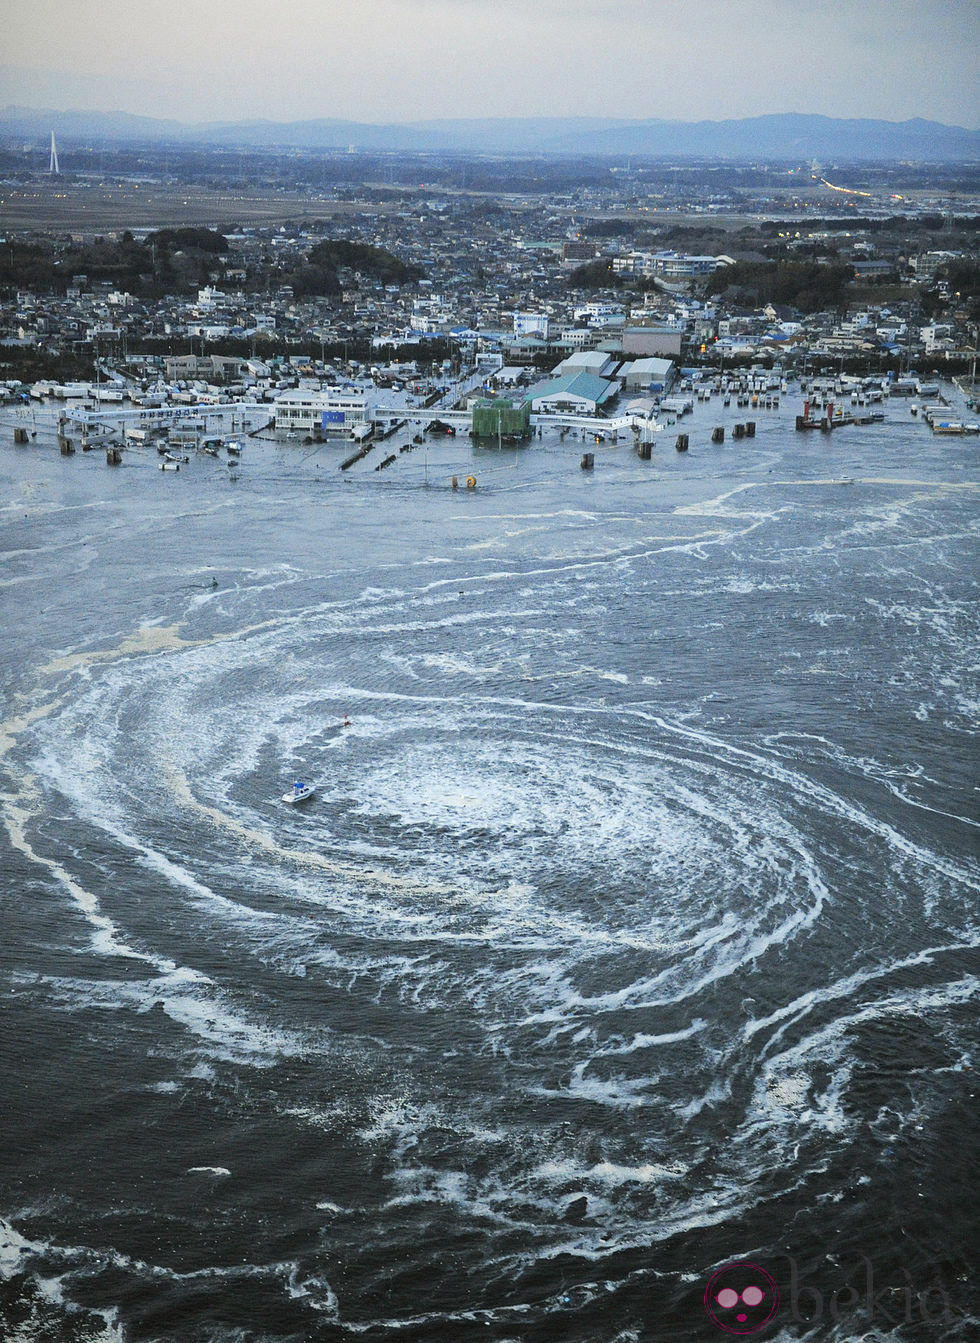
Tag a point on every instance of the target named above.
point(471, 482)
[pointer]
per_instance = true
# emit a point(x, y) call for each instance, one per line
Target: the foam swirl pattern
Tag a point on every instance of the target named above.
point(633, 924)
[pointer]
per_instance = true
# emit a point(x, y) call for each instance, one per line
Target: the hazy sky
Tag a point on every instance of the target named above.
point(374, 60)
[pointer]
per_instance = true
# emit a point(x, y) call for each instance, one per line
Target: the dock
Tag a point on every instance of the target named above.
point(833, 416)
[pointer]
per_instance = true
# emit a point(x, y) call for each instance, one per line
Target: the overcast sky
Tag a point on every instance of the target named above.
point(404, 60)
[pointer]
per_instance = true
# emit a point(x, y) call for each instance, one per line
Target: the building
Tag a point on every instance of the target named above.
point(678, 267)
point(509, 375)
point(597, 362)
point(501, 417)
point(927, 264)
point(330, 411)
point(650, 375)
point(671, 267)
point(577, 253)
point(664, 341)
point(874, 270)
point(598, 314)
point(210, 367)
point(531, 324)
point(642, 408)
point(573, 394)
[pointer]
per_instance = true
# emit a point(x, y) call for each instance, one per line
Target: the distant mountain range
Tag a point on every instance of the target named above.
point(780, 136)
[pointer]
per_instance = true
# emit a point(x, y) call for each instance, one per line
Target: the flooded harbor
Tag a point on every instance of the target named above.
point(630, 930)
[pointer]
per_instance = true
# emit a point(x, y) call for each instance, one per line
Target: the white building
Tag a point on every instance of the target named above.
point(209, 297)
point(598, 314)
point(331, 410)
point(935, 337)
point(597, 362)
point(649, 375)
point(531, 324)
point(672, 267)
point(576, 337)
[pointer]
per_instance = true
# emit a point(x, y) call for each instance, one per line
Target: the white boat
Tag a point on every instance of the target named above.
point(301, 791)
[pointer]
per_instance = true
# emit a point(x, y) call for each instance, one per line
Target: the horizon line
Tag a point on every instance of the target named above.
point(467, 117)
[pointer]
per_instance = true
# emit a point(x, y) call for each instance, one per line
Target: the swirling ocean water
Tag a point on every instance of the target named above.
point(633, 929)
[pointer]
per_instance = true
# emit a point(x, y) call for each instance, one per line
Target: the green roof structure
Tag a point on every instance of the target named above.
point(501, 417)
point(575, 386)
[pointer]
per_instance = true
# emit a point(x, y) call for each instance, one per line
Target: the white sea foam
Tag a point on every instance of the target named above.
point(14, 1248)
point(314, 1292)
point(608, 1173)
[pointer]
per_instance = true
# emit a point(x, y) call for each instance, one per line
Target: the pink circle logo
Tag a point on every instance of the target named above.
point(741, 1297)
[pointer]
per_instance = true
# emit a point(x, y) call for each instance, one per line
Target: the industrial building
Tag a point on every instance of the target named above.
point(649, 375)
point(597, 362)
point(664, 341)
point(573, 394)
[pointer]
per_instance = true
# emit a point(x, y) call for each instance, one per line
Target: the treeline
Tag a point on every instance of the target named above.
point(806, 286)
point(320, 274)
point(892, 224)
point(30, 364)
point(169, 261)
point(963, 276)
point(188, 239)
point(181, 260)
point(608, 228)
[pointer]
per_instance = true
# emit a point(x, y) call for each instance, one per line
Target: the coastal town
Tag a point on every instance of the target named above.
point(609, 305)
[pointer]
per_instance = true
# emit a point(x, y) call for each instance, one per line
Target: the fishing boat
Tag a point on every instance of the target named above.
point(301, 791)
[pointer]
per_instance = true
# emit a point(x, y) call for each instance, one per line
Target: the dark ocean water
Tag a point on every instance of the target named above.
point(633, 930)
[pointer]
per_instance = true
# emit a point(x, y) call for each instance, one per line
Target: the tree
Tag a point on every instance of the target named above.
point(595, 275)
point(375, 261)
point(805, 285)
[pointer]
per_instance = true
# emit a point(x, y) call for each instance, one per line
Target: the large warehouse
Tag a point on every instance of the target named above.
point(573, 394)
point(649, 375)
